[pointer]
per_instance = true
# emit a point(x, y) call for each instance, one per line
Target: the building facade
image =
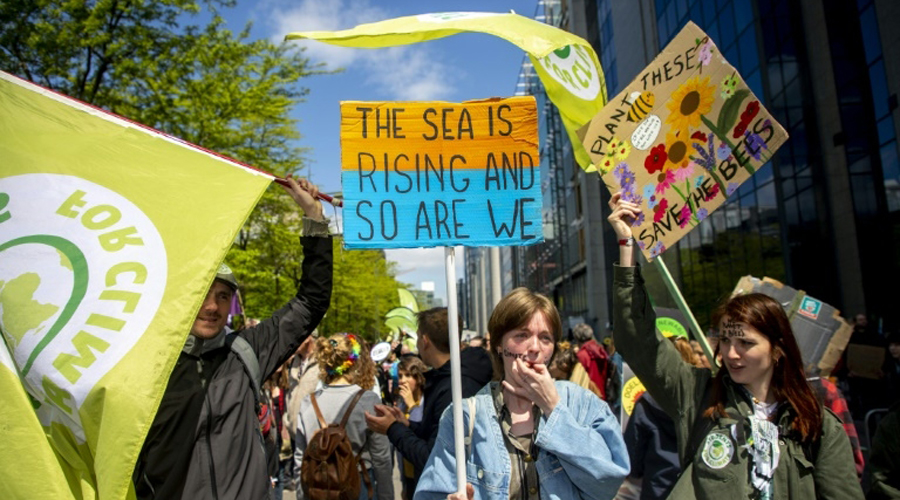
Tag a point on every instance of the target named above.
point(823, 216)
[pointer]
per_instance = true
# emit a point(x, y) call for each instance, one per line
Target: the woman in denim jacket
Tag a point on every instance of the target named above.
point(532, 437)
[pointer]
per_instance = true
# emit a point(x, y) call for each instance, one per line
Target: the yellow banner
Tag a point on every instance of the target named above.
point(110, 234)
point(565, 63)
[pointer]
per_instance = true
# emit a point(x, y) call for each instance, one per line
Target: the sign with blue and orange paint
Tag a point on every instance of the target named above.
point(427, 174)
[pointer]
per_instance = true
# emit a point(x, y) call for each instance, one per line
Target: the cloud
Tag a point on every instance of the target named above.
point(411, 72)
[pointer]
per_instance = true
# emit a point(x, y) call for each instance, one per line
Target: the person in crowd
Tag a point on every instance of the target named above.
point(304, 379)
point(866, 391)
point(698, 351)
point(651, 441)
point(615, 377)
point(755, 430)
point(884, 458)
point(275, 389)
point(345, 368)
point(531, 437)
point(831, 397)
point(415, 440)
point(592, 356)
point(476, 342)
point(204, 440)
point(412, 383)
point(565, 366)
point(891, 368)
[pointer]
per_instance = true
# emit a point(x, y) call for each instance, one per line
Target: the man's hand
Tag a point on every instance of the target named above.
point(304, 194)
point(382, 420)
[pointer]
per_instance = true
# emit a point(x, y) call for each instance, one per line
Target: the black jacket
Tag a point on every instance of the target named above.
point(416, 441)
point(653, 448)
point(205, 440)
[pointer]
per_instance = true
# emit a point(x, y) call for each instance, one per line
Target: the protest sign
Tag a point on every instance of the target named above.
point(425, 174)
point(101, 275)
point(565, 63)
point(821, 333)
point(680, 139)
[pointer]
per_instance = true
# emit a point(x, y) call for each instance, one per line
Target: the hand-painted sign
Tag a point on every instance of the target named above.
point(680, 139)
point(425, 174)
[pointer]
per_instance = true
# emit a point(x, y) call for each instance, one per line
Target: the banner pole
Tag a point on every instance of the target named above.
point(455, 369)
point(699, 336)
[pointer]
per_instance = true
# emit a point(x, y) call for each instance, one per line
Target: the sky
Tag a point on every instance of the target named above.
point(457, 68)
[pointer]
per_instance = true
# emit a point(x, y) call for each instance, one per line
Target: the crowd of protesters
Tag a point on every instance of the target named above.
point(543, 411)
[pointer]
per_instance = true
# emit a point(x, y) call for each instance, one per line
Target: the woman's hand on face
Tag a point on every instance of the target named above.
point(533, 383)
point(623, 213)
point(407, 396)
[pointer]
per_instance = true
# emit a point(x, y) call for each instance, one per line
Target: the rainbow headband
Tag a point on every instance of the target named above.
point(355, 349)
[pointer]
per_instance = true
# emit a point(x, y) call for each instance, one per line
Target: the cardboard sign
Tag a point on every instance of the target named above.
point(821, 333)
point(865, 360)
point(425, 174)
point(680, 139)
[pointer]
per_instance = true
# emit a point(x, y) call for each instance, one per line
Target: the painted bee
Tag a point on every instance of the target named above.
point(641, 105)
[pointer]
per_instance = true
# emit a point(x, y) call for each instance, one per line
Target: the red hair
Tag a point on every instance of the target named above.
point(767, 316)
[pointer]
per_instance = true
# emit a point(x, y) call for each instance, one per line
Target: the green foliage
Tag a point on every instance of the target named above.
point(365, 288)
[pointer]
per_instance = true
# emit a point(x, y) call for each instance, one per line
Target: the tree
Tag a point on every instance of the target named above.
point(203, 84)
point(365, 289)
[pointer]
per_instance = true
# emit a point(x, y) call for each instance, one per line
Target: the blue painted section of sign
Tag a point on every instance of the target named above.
point(471, 207)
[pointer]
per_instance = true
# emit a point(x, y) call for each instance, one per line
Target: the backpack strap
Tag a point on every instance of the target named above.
point(312, 399)
point(350, 408)
point(245, 353)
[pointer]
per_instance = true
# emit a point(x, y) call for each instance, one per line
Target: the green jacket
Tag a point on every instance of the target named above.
point(720, 468)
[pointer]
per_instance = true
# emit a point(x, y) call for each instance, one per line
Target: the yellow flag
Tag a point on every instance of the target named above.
point(110, 234)
point(566, 64)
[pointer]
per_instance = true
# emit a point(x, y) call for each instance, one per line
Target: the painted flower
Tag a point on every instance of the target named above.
point(732, 187)
point(627, 179)
point(660, 211)
point(706, 50)
point(692, 99)
point(699, 181)
point(606, 165)
point(652, 201)
point(702, 214)
point(750, 113)
point(685, 216)
point(723, 151)
point(665, 181)
point(649, 189)
point(699, 136)
point(684, 174)
point(630, 196)
point(713, 191)
point(754, 145)
point(657, 249)
point(642, 245)
point(707, 158)
point(638, 220)
point(729, 85)
point(656, 160)
point(677, 150)
point(618, 149)
point(620, 170)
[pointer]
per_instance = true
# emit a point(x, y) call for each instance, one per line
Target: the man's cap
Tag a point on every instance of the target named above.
point(225, 275)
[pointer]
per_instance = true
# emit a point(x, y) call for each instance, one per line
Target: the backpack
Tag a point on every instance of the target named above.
point(330, 470)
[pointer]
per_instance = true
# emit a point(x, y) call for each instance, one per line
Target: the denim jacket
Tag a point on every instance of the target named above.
point(581, 451)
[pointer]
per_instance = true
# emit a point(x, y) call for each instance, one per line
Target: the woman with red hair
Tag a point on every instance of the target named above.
point(755, 429)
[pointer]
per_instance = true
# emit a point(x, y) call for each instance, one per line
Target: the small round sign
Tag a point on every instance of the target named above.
point(380, 351)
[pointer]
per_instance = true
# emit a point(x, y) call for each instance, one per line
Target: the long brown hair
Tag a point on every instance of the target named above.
point(788, 378)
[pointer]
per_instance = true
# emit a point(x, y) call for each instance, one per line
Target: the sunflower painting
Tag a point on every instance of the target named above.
point(705, 136)
point(693, 99)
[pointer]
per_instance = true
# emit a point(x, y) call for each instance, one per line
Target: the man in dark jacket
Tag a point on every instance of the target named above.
point(205, 440)
point(415, 440)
